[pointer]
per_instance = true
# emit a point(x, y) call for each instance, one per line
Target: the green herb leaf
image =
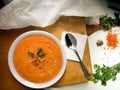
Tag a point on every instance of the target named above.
point(40, 53)
point(109, 22)
point(105, 73)
point(30, 54)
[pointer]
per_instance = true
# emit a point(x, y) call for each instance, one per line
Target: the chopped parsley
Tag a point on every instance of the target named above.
point(109, 22)
point(105, 73)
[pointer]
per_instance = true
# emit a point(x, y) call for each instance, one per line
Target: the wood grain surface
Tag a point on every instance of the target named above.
point(73, 73)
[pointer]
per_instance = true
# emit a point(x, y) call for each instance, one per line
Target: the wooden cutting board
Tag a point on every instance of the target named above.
point(73, 73)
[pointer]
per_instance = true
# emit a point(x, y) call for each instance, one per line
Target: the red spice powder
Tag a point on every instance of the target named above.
point(112, 40)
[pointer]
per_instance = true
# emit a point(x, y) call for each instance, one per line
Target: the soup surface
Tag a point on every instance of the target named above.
point(37, 58)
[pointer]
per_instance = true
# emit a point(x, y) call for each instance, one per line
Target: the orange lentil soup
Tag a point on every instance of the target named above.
point(38, 58)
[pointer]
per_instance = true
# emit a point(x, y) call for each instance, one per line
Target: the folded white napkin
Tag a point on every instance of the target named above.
point(81, 42)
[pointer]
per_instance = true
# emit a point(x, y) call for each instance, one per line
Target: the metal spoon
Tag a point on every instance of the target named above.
point(71, 42)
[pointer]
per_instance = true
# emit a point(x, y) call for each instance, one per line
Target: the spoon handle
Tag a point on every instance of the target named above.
point(86, 73)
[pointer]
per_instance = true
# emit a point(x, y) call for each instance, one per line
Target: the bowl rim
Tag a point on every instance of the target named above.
point(18, 77)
